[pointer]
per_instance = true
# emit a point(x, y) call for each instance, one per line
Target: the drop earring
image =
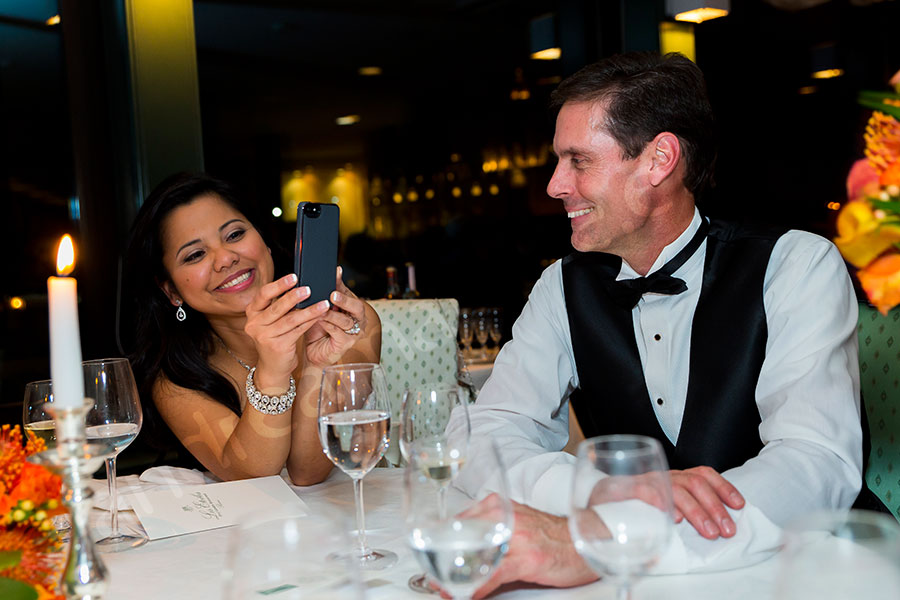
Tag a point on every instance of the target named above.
point(180, 314)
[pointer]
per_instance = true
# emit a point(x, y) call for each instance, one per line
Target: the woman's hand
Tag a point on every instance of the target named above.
point(276, 327)
point(328, 339)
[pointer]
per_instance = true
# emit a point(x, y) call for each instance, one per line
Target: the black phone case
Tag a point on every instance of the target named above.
point(315, 252)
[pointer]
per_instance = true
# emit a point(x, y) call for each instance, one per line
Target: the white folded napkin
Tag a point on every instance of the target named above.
point(151, 479)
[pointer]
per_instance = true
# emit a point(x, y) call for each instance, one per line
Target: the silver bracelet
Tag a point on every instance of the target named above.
point(270, 405)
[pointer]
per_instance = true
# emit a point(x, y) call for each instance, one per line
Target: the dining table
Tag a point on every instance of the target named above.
point(191, 566)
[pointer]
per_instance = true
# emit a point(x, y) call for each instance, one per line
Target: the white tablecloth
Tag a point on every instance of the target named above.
point(189, 567)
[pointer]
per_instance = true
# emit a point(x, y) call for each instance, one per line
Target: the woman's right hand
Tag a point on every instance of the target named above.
point(276, 327)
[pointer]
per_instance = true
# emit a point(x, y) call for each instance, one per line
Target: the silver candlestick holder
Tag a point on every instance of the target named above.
point(75, 461)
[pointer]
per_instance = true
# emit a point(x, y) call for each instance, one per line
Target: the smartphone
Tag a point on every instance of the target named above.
point(315, 252)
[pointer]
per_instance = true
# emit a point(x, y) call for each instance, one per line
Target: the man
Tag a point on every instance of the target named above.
point(743, 363)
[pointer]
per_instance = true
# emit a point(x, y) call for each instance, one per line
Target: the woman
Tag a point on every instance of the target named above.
point(214, 326)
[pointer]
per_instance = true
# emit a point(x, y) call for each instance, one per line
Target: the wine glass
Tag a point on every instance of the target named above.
point(114, 420)
point(290, 556)
point(838, 555)
point(460, 546)
point(466, 331)
point(36, 419)
point(496, 328)
point(482, 330)
point(424, 417)
point(354, 426)
point(621, 517)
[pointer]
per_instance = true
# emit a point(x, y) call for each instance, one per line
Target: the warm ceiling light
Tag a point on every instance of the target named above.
point(698, 15)
point(369, 71)
point(16, 303)
point(697, 11)
point(827, 73)
point(547, 54)
point(54, 20)
point(347, 120)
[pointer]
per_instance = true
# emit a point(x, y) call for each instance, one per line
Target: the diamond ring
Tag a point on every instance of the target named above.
point(355, 329)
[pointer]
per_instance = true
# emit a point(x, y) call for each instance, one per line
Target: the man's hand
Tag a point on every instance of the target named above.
point(701, 495)
point(541, 552)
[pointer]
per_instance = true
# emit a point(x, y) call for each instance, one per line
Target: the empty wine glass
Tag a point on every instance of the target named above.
point(354, 426)
point(482, 330)
point(424, 417)
point(36, 419)
point(114, 420)
point(621, 517)
point(291, 557)
point(838, 555)
point(460, 546)
point(496, 328)
point(466, 331)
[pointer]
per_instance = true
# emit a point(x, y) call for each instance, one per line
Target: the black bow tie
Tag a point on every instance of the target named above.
point(627, 292)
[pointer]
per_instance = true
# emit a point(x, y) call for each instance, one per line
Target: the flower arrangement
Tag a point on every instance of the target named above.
point(31, 561)
point(868, 226)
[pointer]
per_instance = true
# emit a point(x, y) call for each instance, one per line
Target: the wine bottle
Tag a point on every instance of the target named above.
point(393, 288)
point(410, 293)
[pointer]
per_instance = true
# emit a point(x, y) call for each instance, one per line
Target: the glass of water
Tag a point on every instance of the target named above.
point(621, 517)
point(458, 542)
point(354, 428)
point(36, 419)
point(837, 555)
point(114, 420)
point(291, 556)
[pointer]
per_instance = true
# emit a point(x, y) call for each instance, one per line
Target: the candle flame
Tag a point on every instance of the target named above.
point(65, 256)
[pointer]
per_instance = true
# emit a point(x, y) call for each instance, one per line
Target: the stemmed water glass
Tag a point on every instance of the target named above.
point(36, 419)
point(290, 556)
point(496, 328)
point(461, 546)
point(621, 518)
point(482, 330)
point(354, 426)
point(114, 420)
point(424, 418)
point(838, 555)
point(466, 331)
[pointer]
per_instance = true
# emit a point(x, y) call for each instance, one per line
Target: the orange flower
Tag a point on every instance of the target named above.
point(12, 457)
point(40, 562)
point(36, 484)
point(891, 175)
point(861, 236)
point(882, 140)
point(881, 282)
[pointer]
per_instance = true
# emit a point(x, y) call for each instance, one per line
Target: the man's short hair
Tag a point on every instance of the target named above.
point(645, 94)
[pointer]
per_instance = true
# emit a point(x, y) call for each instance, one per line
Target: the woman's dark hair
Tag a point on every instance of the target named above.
point(645, 94)
point(179, 350)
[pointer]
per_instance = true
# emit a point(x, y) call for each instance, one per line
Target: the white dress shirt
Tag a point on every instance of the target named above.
point(807, 395)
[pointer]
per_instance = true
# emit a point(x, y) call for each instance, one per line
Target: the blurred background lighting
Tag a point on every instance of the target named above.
point(369, 71)
point(16, 303)
point(547, 54)
point(276, 212)
point(347, 120)
point(827, 73)
point(54, 20)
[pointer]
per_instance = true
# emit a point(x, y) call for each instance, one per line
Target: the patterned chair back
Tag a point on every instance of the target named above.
point(418, 346)
point(879, 370)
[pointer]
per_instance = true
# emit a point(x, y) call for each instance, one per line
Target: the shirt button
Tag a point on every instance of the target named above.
point(657, 337)
point(659, 401)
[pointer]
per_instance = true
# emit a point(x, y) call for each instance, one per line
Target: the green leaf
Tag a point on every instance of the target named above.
point(894, 111)
point(10, 589)
point(887, 205)
point(9, 558)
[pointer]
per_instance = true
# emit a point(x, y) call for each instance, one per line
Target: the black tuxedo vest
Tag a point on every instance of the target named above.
point(720, 426)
